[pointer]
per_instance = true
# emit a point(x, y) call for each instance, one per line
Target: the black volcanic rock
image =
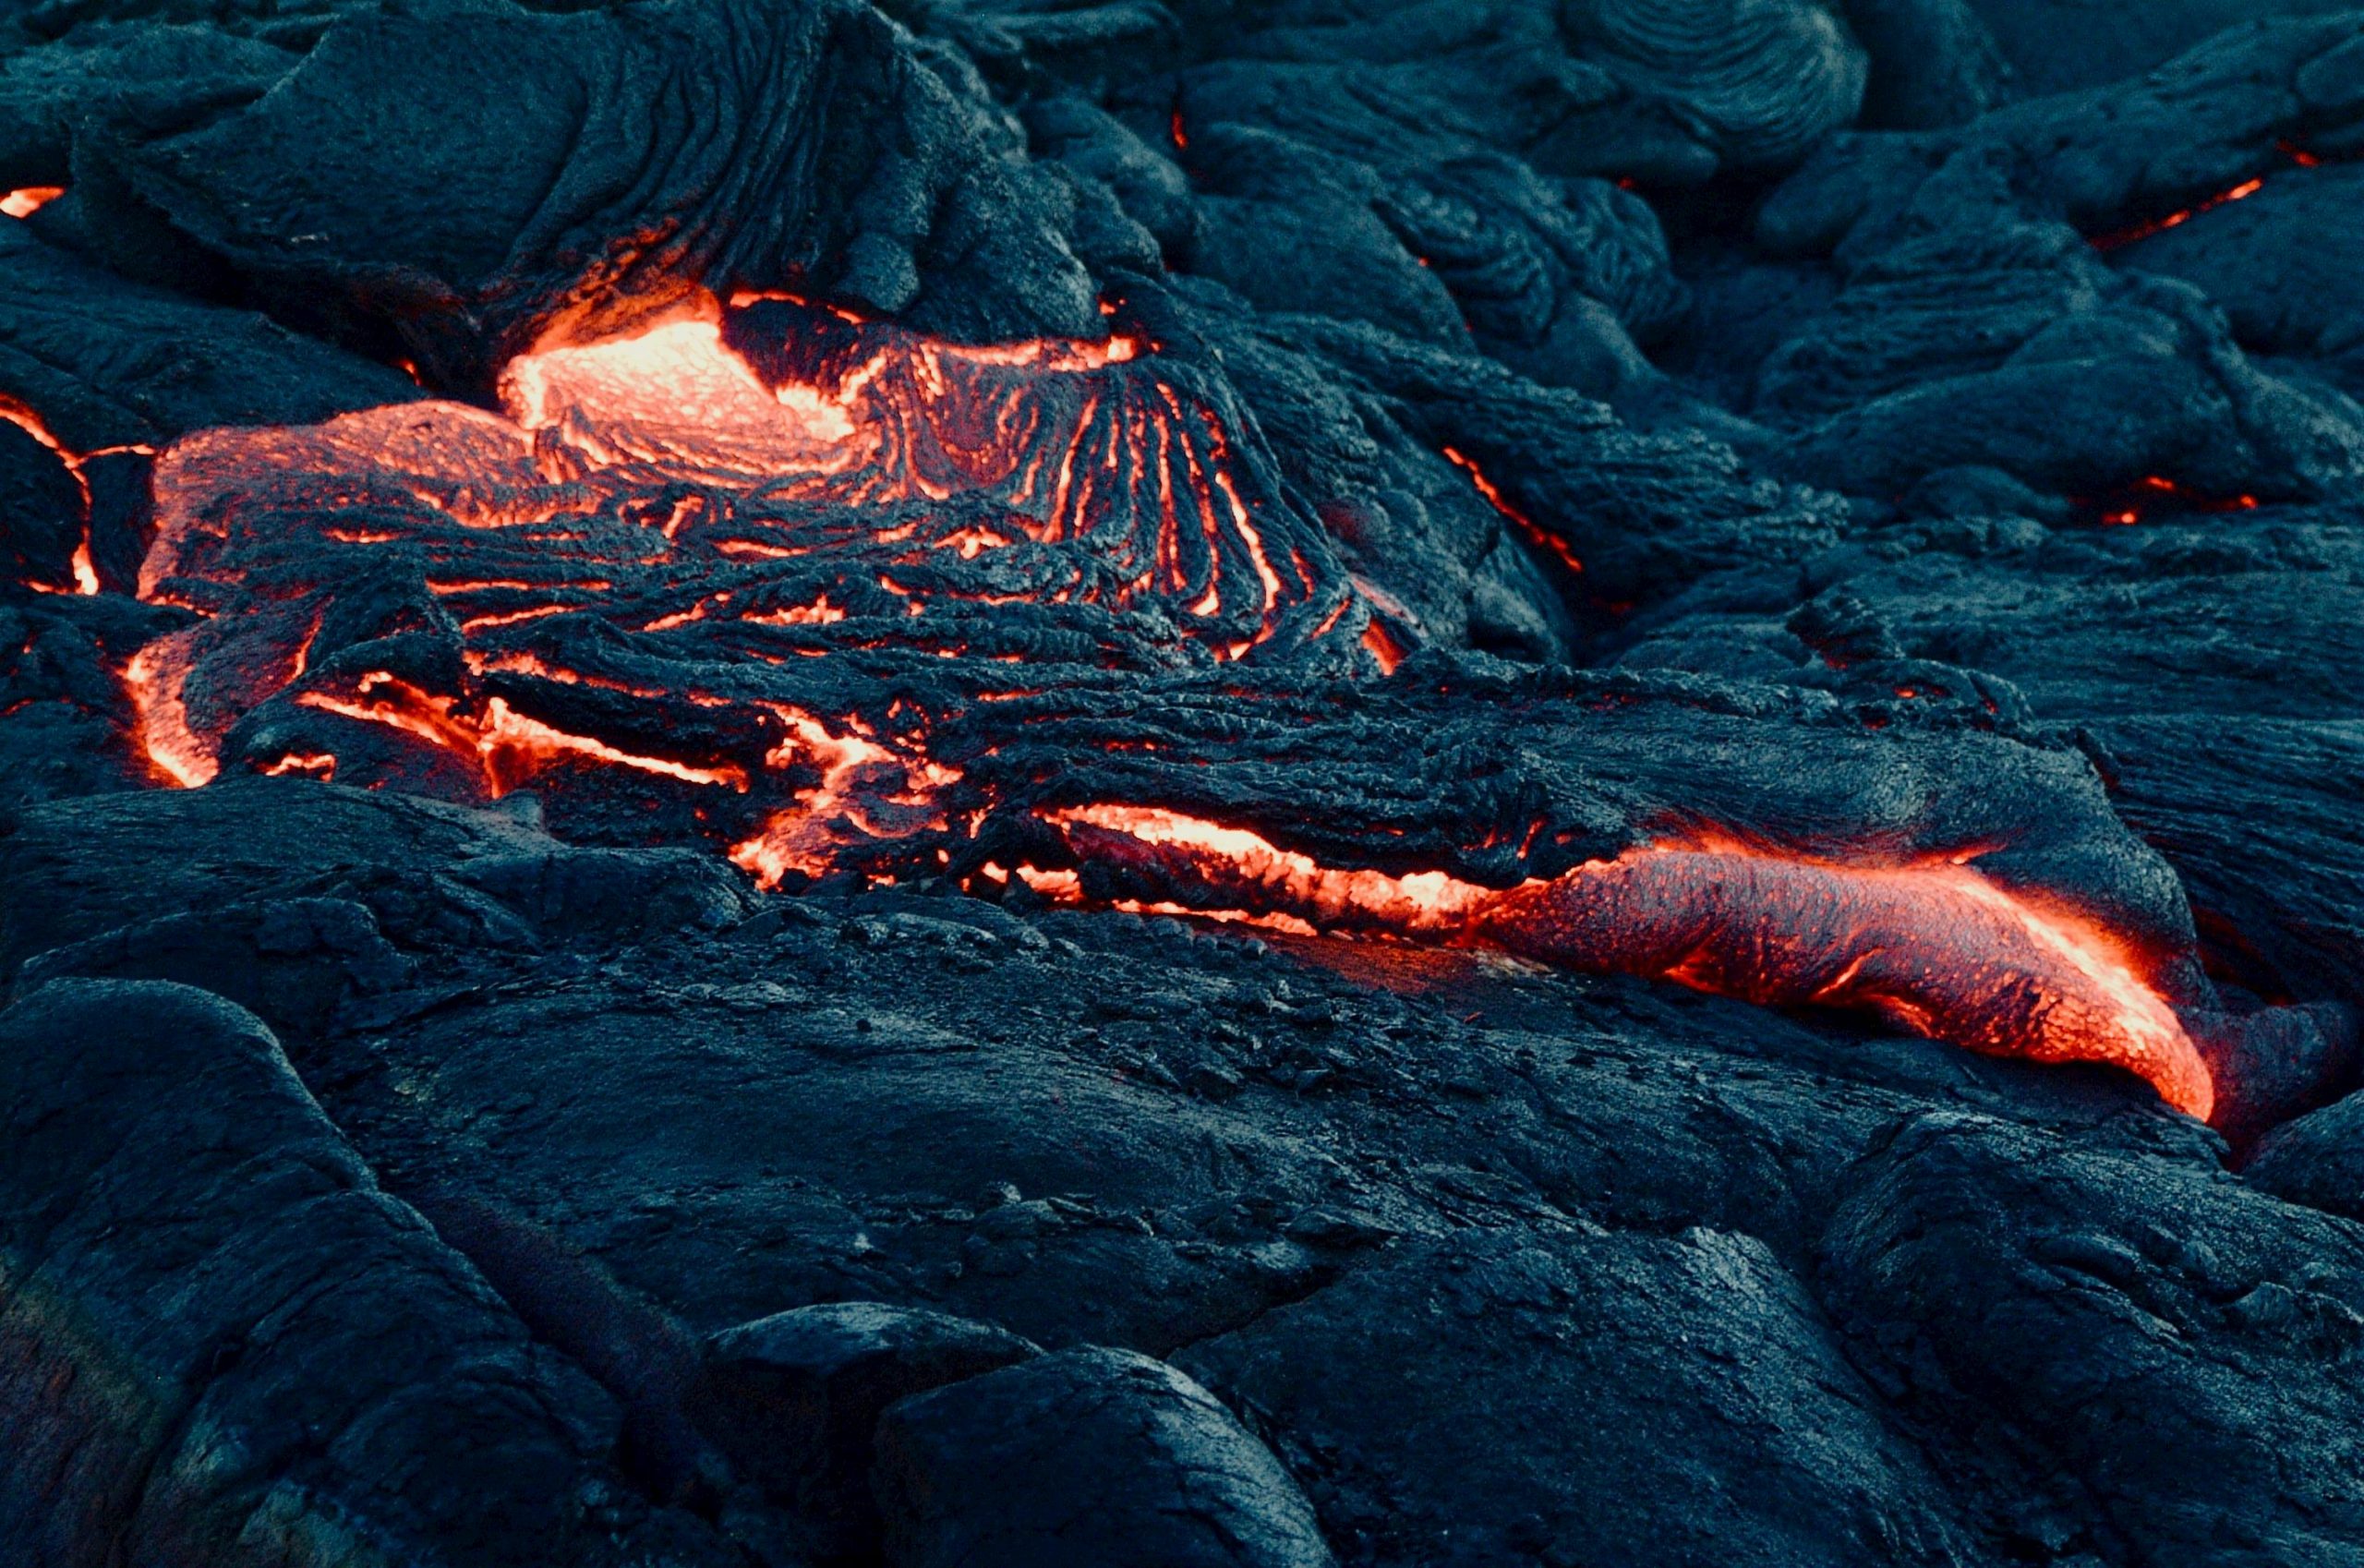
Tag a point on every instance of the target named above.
point(1085, 1456)
point(2075, 1318)
point(109, 363)
point(292, 961)
point(2053, 44)
point(224, 1343)
point(39, 510)
point(1675, 1399)
point(966, 770)
point(829, 150)
point(793, 1400)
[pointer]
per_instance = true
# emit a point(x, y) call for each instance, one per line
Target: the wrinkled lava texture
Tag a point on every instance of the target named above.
point(1329, 782)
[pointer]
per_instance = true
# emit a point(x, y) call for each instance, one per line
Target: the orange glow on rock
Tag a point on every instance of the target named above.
point(515, 748)
point(834, 812)
point(509, 747)
point(160, 720)
point(774, 397)
point(820, 612)
point(26, 200)
point(728, 481)
point(1269, 879)
point(1533, 532)
point(304, 764)
point(2132, 505)
point(86, 575)
point(1936, 945)
point(2120, 238)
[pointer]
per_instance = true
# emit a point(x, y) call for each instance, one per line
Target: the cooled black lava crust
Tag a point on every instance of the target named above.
point(1020, 782)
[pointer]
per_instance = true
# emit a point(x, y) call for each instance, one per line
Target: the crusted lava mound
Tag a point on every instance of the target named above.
point(1347, 782)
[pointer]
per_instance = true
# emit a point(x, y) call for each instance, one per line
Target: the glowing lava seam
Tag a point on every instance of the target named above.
point(1936, 945)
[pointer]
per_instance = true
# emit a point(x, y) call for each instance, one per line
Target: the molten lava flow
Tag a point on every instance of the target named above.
point(1055, 472)
point(728, 490)
point(159, 721)
point(1267, 880)
point(515, 748)
point(304, 764)
point(1936, 945)
point(26, 200)
point(836, 813)
point(611, 588)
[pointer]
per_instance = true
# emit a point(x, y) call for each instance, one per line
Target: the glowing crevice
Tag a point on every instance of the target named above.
point(26, 200)
point(83, 567)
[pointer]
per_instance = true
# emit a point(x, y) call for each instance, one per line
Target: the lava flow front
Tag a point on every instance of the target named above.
point(1934, 946)
point(736, 575)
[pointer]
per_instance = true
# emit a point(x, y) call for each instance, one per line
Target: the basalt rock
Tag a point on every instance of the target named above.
point(1121, 1457)
point(795, 1399)
point(226, 1343)
point(1394, 781)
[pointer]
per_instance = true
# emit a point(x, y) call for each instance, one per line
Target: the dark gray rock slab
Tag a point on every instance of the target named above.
point(1673, 1399)
point(1088, 1457)
point(793, 1400)
point(224, 1343)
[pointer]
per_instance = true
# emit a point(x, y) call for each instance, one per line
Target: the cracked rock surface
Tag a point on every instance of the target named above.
point(844, 938)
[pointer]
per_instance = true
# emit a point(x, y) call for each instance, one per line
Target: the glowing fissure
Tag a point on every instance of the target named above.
point(510, 747)
point(1527, 527)
point(82, 566)
point(1936, 945)
point(2116, 239)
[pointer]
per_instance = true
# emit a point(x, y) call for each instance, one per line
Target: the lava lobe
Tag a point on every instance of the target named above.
point(746, 561)
point(1938, 947)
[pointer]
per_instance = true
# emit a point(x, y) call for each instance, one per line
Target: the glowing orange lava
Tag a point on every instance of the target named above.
point(510, 747)
point(2157, 490)
point(720, 494)
point(1936, 945)
point(160, 722)
point(304, 764)
point(26, 200)
point(1063, 442)
point(86, 573)
point(833, 812)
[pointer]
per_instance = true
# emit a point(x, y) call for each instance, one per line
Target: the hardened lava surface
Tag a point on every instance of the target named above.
point(1345, 782)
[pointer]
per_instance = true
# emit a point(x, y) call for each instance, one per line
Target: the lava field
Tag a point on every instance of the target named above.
point(1181, 783)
